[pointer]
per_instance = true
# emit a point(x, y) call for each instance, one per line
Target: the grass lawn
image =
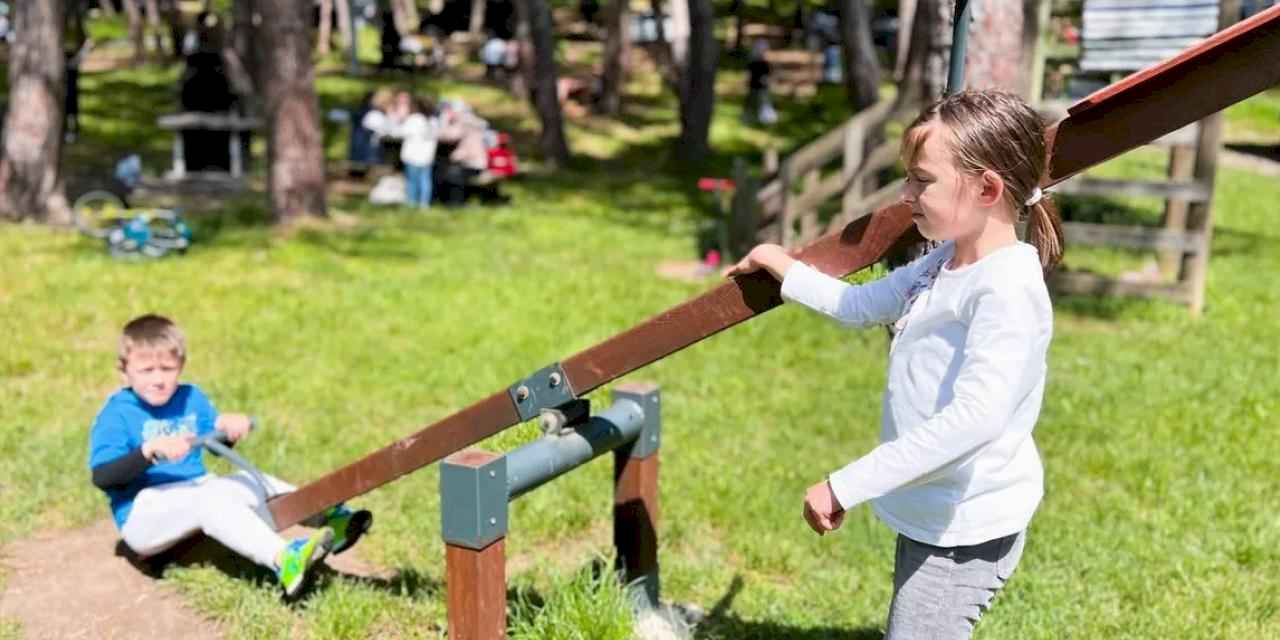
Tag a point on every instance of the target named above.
point(341, 337)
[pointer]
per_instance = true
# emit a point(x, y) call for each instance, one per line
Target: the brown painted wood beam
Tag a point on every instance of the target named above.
point(1224, 69)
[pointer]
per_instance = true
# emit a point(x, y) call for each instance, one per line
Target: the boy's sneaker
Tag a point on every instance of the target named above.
point(299, 556)
point(347, 526)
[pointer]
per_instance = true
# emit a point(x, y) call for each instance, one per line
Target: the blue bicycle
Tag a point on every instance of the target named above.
point(129, 232)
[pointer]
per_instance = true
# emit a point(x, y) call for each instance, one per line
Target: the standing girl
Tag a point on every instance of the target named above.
point(957, 474)
point(421, 133)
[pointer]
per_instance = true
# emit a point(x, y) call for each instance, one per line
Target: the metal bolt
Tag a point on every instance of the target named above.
point(522, 393)
point(493, 521)
point(653, 438)
point(493, 474)
point(555, 379)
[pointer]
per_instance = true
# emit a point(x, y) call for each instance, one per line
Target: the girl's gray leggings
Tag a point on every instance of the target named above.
point(939, 593)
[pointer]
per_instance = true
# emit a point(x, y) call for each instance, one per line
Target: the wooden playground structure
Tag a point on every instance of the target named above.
point(1130, 113)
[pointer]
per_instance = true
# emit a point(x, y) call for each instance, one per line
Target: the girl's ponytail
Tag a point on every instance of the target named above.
point(1044, 232)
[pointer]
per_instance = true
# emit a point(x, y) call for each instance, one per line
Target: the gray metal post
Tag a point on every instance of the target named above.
point(963, 15)
point(473, 499)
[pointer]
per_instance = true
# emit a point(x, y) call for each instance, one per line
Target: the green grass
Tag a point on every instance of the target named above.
point(1156, 431)
point(1256, 120)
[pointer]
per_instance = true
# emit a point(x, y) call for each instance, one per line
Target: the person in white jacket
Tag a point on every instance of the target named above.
point(420, 132)
point(957, 474)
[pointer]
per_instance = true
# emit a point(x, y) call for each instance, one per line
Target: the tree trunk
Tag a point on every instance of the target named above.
point(173, 16)
point(153, 24)
point(545, 81)
point(617, 52)
point(681, 30)
point(30, 182)
point(76, 10)
point(136, 36)
point(325, 32)
point(861, 66)
point(996, 47)
point(698, 89)
point(476, 27)
point(243, 72)
point(739, 23)
point(1035, 18)
point(924, 72)
point(295, 177)
point(108, 8)
point(405, 13)
point(664, 50)
point(906, 22)
point(522, 81)
point(344, 22)
point(994, 56)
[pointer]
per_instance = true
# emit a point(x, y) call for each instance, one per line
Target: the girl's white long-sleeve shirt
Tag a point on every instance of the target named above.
point(956, 464)
point(420, 134)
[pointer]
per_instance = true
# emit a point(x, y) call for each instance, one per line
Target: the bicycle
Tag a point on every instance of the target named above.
point(130, 232)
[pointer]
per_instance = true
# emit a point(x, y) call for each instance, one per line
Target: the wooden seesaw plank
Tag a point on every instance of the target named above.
point(1140, 108)
point(862, 243)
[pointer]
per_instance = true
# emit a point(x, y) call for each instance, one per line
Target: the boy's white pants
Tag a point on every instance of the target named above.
point(230, 509)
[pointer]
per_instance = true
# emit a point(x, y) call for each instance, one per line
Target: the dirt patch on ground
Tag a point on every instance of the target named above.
point(80, 584)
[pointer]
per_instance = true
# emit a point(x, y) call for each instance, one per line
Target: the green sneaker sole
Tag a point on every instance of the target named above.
point(360, 523)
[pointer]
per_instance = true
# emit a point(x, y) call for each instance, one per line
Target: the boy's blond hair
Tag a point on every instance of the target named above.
point(154, 333)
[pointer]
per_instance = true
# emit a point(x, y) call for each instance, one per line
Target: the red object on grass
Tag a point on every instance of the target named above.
point(502, 162)
point(715, 184)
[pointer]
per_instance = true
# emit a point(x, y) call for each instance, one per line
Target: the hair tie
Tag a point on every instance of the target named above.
point(1036, 196)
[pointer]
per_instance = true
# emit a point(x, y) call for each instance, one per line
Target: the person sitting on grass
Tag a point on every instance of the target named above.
point(141, 456)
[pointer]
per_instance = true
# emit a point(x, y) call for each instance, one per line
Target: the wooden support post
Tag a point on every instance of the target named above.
point(1195, 266)
point(477, 586)
point(473, 514)
point(1181, 161)
point(179, 157)
point(237, 164)
point(854, 144)
point(788, 217)
point(635, 500)
point(809, 218)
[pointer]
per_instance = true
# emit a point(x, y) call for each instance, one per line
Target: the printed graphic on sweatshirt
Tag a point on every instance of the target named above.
point(156, 428)
point(922, 283)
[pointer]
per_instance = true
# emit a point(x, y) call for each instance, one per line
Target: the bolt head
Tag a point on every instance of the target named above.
point(555, 379)
point(522, 393)
point(493, 521)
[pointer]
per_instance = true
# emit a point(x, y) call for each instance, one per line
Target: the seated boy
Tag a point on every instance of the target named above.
point(141, 455)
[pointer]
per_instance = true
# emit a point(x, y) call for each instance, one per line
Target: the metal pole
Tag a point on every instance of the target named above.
point(551, 456)
point(959, 44)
